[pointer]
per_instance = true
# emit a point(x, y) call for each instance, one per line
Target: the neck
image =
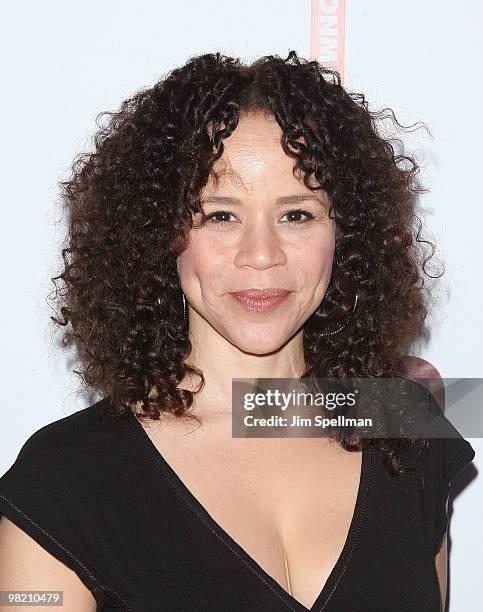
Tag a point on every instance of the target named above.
point(220, 362)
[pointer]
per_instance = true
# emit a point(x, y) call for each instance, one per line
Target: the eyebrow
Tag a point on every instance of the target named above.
point(290, 199)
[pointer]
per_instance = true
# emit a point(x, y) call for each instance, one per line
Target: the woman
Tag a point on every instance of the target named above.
point(233, 222)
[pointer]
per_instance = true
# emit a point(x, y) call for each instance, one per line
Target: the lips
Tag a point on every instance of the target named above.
point(262, 293)
point(260, 300)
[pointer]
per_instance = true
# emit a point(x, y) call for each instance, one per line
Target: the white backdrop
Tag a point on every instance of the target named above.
point(64, 62)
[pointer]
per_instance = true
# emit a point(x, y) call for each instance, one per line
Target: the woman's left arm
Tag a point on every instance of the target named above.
point(441, 563)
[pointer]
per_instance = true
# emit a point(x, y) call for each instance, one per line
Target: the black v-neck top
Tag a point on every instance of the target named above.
point(98, 495)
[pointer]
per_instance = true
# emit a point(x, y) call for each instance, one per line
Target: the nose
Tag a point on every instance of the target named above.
point(260, 248)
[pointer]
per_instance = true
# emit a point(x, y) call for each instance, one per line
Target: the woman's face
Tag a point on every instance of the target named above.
point(255, 239)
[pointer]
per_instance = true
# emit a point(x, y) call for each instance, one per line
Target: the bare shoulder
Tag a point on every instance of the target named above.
point(25, 565)
point(428, 375)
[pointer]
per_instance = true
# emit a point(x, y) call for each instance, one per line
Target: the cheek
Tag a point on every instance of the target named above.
point(326, 248)
point(313, 258)
point(327, 256)
point(203, 260)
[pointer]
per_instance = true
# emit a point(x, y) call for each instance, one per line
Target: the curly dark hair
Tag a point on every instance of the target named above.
point(131, 204)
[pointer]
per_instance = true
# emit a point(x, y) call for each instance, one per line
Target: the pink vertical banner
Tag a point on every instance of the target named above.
point(327, 37)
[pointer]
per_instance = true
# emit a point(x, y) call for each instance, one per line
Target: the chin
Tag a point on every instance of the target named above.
point(261, 345)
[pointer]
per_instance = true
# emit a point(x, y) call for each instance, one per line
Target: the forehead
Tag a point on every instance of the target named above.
point(253, 155)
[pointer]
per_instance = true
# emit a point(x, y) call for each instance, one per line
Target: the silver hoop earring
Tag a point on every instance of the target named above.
point(342, 326)
point(184, 307)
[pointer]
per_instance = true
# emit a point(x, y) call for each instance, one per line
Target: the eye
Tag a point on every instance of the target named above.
point(212, 217)
point(297, 212)
point(215, 220)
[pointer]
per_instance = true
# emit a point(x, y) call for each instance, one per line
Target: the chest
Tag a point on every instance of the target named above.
point(288, 504)
point(238, 526)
